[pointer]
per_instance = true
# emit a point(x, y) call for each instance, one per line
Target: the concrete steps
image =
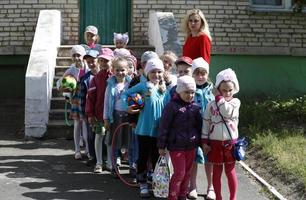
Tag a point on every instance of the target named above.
point(57, 127)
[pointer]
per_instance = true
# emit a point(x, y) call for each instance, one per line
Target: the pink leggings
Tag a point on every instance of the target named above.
point(232, 181)
point(182, 162)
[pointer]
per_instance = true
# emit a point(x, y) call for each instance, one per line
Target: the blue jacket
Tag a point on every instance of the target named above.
point(109, 100)
point(180, 126)
point(154, 102)
point(203, 96)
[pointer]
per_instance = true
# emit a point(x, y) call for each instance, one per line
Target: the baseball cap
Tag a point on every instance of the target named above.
point(91, 29)
point(91, 53)
point(184, 59)
point(106, 53)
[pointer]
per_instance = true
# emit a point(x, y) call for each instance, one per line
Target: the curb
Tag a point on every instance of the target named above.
point(262, 181)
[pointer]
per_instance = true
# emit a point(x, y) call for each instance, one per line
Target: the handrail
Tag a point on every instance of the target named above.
point(40, 72)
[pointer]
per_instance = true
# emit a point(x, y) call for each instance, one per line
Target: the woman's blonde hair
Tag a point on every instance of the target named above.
point(204, 25)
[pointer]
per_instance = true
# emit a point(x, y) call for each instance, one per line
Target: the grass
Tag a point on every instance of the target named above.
point(287, 148)
point(276, 129)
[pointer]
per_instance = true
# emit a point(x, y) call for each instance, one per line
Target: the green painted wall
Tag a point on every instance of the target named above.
point(259, 76)
point(262, 76)
point(12, 70)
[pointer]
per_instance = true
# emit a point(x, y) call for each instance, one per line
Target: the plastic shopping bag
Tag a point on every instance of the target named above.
point(161, 178)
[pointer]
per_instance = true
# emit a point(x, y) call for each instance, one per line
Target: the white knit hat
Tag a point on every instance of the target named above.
point(148, 55)
point(123, 37)
point(154, 63)
point(78, 49)
point(228, 75)
point(185, 83)
point(200, 63)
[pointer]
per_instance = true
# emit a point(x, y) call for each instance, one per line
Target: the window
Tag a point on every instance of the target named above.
point(272, 5)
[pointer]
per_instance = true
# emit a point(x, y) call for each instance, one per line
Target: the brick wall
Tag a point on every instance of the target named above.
point(234, 27)
point(18, 20)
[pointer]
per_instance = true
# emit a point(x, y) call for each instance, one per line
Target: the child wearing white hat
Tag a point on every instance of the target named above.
point(180, 136)
point(203, 95)
point(147, 125)
point(77, 70)
point(121, 40)
point(218, 146)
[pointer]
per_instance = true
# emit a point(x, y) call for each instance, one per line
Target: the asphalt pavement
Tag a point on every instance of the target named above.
point(46, 169)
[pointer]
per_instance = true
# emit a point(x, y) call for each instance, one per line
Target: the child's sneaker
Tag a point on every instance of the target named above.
point(211, 194)
point(98, 169)
point(144, 190)
point(192, 194)
point(78, 155)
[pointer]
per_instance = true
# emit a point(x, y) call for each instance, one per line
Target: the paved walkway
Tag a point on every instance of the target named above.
point(46, 170)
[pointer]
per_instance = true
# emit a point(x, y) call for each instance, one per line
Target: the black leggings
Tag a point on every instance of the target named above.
point(147, 151)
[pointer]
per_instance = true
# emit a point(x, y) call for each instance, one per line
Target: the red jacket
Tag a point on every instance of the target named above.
point(95, 95)
point(196, 47)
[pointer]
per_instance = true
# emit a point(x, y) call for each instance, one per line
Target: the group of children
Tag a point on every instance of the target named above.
point(181, 114)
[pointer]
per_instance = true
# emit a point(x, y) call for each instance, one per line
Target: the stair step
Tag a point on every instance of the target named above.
point(63, 61)
point(59, 129)
point(58, 102)
point(64, 50)
point(58, 114)
point(60, 70)
point(56, 93)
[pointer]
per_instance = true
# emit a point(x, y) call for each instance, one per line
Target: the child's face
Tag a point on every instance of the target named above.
point(200, 76)
point(187, 95)
point(184, 69)
point(104, 64)
point(92, 64)
point(155, 75)
point(77, 59)
point(194, 23)
point(167, 63)
point(120, 70)
point(130, 68)
point(226, 89)
point(119, 44)
point(91, 38)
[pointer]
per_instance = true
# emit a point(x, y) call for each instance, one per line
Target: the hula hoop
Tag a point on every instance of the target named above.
point(68, 123)
point(113, 155)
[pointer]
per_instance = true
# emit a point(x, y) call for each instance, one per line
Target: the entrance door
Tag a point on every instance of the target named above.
point(108, 16)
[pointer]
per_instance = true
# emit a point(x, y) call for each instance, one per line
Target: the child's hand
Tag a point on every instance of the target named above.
point(216, 92)
point(162, 152)
point(106, 124)
point(90, 121)
point(206, 148)
point(133, 109)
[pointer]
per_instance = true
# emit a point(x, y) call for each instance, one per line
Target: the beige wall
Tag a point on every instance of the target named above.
point(234, 27)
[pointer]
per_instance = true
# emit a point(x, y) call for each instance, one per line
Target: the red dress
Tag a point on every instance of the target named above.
point(199, 46)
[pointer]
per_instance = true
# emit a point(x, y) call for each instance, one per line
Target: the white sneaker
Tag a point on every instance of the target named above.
point(98, 169)
point(144, 190)
point(118, 161)
point(78, 155)
point(211, 194)
point(193, 194)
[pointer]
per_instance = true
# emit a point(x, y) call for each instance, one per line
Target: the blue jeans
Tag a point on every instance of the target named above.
point(133, 147)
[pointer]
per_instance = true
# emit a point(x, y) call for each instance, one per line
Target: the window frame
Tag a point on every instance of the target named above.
point(286, 6)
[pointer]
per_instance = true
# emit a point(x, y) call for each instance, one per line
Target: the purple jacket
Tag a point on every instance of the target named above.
point(180, 126)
